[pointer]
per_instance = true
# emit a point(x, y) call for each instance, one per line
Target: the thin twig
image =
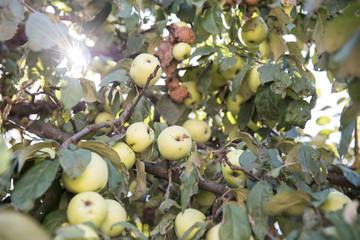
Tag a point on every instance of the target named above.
point(28, 7)
point(356, 164)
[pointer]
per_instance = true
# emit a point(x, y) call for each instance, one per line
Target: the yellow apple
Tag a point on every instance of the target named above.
point(213, 233)
point(335, 201)
point(141, 68)
point(199, 130)
point(265, 51)
point(252, 78)
point(104, 117)
point(139, 136)
point(232, 71)
point(87, 207)
point(93, 178)
point(107, 105)
point(184, 221)
point(234, 107)
point(115, 213)
point(87, 232)
point(253, 32)
point(233, 178)
point(126, 154)
point(181, 51)
point(195, 96)
point(217, 80)
point(174, 143)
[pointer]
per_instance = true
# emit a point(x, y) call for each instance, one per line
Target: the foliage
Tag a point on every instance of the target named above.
point(64, 62)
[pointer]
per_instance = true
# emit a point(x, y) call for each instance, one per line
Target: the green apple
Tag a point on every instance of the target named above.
point(199, 130)
point(233, 178)
point(195, 97)
point(87, 207)
point(253, 32)
point(234, 107)
point(213, 233)
point(184, 221)
point(252, 78)
point(141, 68)
point(104, 117)
point(115, 213)
point(174, 143)
point(87, 232)
point(181, 51)
point(139, 136)
point(205, 198)
point(335, 201)
point(232, 71)
point(93, 178)
point(217, 79)
point(126, 154)
point(107, 105)
point(265, 50)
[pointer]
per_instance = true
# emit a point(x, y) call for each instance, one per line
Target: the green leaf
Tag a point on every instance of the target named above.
point(268, 72)
point(351, 176)
point(103, 150)
point(124, 10)
point(134, 44)
point(237, 82)
point(235, 224)
point(271, 156)
point(298, 112)
point(235, 134)
point(101, 14)
point(33, 184)
point(285, 200)
point(115, 178)
point(12, 13)
point(189, 187)
point(312, 164)
point(213, 21)
point(42, 33)
point(346, 135)
point(169, 204)
point(88, 89)
point(203, 51)
point(120, 76)
point(201, 226)
point(28, 151)
point(227, 63)
point(54, 219)
point(267, 103)
point(71, 92)
point(170, 110)
point(17, 226)
point(249, 161)
point(74, 162)
point(255, 204)
point(205, 79)
point(343, 229)
point(140, 187)
point(165, 225)
point(335, 6)
point(277, 44)
point(245, 114)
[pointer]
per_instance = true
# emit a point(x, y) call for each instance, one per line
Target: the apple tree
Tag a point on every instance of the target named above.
point(177, 119)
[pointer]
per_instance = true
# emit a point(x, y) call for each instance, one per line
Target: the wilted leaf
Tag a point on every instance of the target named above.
point(235, 224)
point(169, 204)
point(283, 201)
point(33, 184)
point(88, 89)
point(17, 226)
point(256, 201)
point(42, 33)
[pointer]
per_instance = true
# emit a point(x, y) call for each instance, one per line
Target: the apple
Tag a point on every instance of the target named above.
point(253, 32)
point(181, 51)
point(205, 198)
point(139, 136)
point(217, 79)
point(87, 232)
point(174, 143)
point(141, 68)
point(233, 177)
point(232, 71)
point(252, 78)
point(104, 117)
point(199, 130)
point(93, 178)
point(265, 51)
point(115, 213)
point(195, 98)
point(107, 105)
point(213, 233)
point(334, 201)
point(234, 107)
point(87, 207)
point(126, 154)
point(184, 221)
